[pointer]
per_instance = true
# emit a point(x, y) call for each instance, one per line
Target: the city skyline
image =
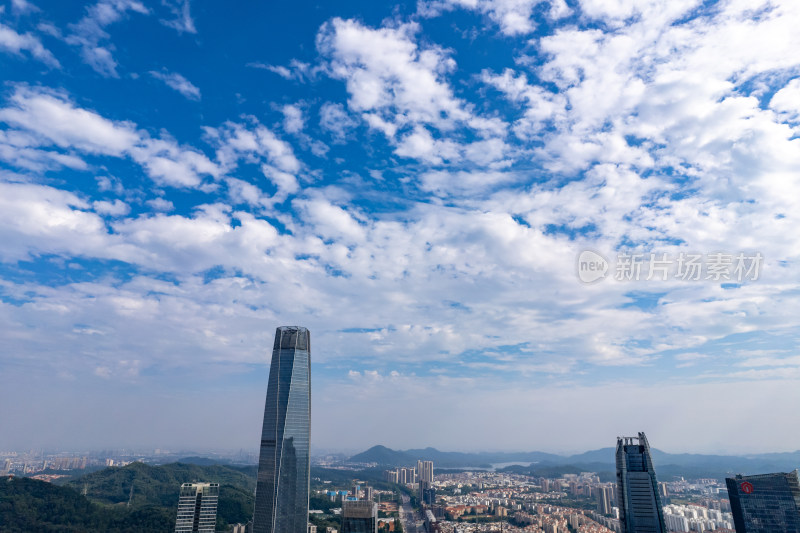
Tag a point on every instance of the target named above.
point(489, 207)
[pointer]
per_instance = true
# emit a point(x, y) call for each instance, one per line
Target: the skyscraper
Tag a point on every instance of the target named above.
point(197, 508)
point(283, 465)
point(637, 488)
point(766, 503)
point(359, 516)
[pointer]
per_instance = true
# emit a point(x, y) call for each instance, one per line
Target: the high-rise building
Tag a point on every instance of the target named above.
point(197, 508)
point(424, 477)
point(766, 502)
point(637, 488)
point(359, 516)
point(605, 495)
point(282, 484)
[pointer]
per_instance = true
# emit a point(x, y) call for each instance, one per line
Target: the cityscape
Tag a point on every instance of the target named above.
point(414, 499)
point(547, 249)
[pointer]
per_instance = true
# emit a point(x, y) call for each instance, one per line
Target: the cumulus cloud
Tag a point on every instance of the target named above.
point(55, 120)
point(387, 73)
point(293, 120)
point(444, 258)
point(255, 143)
point(115, 208)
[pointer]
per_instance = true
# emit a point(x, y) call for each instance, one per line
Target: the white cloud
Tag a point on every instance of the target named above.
point(631, 130)
point(334, 119)
point(52, 116)
point(36, 219)
point(446, 183)
point(256, 143)
point(16, 43)
point(115, 208)
point(160, 204)
point(293, 120)
point(23, 150)
point(55, 119)
point(787, 100)
point(181, 10)
point(514, 17)
point(420, 144)
point(296, 71)
point(388, 74)
point(179, 83)
point(23, 7)
point(90, 35)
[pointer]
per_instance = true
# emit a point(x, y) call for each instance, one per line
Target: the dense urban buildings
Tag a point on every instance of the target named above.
point(637, 488)
point(402, 476)
point(359, 516)
point(197, 508)
point(686, 518)
point(765, 503)
point(283, 467)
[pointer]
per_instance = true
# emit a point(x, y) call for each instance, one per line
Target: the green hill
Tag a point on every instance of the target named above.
point(31, 505)
point(145, 485)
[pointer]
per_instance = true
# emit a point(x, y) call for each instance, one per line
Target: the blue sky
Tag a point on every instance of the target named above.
point(414, 183)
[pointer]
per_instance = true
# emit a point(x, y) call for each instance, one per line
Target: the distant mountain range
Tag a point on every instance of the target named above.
point(691, 463)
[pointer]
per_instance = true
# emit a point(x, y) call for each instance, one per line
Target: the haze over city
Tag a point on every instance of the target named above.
point(415, 184)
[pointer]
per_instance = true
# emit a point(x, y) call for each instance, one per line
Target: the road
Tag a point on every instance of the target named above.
point(408, 517)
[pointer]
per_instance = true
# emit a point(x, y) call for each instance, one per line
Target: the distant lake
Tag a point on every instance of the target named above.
point(491, 468)
point(498, 466)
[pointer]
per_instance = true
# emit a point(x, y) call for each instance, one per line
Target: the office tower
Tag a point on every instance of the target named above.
point(197, 508)
point(766, 503)
point(637, 488)
point(359, 516)
point(368, 495)
point(604, 497)
point(283, 466)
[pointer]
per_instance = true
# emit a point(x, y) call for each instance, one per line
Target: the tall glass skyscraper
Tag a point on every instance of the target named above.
point(637, 489)
point(283, 465)
point(765, 503)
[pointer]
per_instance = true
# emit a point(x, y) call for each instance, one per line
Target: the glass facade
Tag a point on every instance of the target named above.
point(637, 488)
point(766, 503)
point(283, 467)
